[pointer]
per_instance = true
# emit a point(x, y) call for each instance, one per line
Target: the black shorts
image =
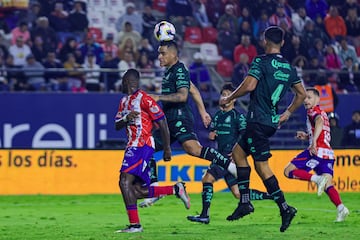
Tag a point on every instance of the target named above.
point(181, 130)
point(255, 141)
point(218, 172)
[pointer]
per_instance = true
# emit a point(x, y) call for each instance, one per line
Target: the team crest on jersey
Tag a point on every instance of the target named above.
point(154, 109)
point(312, 163)
point(228, 119)
point(129, 153)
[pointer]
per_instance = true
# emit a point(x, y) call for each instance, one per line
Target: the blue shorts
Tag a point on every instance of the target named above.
point(136, 162)
point(307, 162)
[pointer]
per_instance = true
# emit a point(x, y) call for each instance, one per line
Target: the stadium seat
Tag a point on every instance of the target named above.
point(97, 32)
point(210, 53)
point(209, 34)
point(117, 6)
point(193, 35)
point(159, 5)
point(111, 17)
point(225, 67)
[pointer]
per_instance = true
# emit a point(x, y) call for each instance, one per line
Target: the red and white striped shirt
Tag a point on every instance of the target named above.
point(139, 129)
point(324, 149)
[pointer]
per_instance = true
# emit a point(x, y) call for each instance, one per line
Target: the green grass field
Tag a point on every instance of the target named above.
point(98, 216)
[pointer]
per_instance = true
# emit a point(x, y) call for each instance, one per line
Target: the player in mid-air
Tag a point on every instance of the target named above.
point(174, 97)
point(225, 129)
point(269, 78)
point(319, 156)
point(137, 111)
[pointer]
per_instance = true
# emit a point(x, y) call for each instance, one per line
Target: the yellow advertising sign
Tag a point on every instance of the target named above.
point(97, 171)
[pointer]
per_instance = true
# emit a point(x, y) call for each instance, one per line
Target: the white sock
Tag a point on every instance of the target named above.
point(340, 207)
point(232, 169)
point(315, 178)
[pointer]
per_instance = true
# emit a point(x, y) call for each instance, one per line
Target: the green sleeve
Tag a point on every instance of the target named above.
point(182, 78)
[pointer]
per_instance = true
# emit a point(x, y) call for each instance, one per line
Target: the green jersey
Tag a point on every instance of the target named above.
point(175, 77)
point(228, 126)
point(275, 76)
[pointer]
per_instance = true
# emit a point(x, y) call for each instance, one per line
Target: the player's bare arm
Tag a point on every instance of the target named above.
point(122, 121)
point(300, 95)
point(248, 85)
point(196, 96)
point(180, 96)
point(165, 136)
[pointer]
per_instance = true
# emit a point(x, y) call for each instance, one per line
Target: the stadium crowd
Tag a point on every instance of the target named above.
point(77, 40)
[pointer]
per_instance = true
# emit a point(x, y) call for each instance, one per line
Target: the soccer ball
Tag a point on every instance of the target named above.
point(164, 31)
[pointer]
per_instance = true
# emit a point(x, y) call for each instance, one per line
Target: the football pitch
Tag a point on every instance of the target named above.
point(95, 217)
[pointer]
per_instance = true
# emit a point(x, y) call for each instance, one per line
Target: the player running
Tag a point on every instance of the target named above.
point(137, 112)
point(227, 125)
point(319, 156)
point(269, 78)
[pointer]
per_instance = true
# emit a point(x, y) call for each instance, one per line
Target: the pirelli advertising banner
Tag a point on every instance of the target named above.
point(97, 171)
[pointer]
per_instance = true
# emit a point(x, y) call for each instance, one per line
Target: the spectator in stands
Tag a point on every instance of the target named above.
point(300, 63)
point(316, 8)
point(21, 31)
point(335, 24)
point(349, 76)
point(46, 32)
point(126, 62)
point(349, 4)
point(109, 45)
point(78, 20)
point(199, 13)
point(39, 50)
point(311, 32)
point(70, 46)
point(110, 77)
point(130, 16)
point(146, 68)
point(214, 9)
point(74, 76)
point(199, 73)
point(92, 74)
point(129, 45)
point(298, 19)
point(15, 75)
point(31, 14)
point(128, 31)
point(313, 70)
point(260, 25)
point(246, 16)
point(328, 97)
point(332, 60)
point(179, 9)
point(230, 18)
point(148, 22)
point(59, 21)
point(280, 15)
point(246, 47)
point(4, 49)
point(240, 69)
point(91, 47)
point(55, 79)
point(245, 28)
point(347, 51)
point(19, 51)
point(34, 74)
point(148, 49)
point(352, 132)
point(336, 131)
point(318, 51)
point(227, 40)
point(287, 48)
point(352, 22)
point(265, 5)
point(294, 48)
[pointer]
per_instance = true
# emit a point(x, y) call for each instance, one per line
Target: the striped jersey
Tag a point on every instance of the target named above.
point(323, 142)
point(139, 129)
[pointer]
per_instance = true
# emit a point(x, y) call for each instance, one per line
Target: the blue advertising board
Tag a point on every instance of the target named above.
point(52, 120)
